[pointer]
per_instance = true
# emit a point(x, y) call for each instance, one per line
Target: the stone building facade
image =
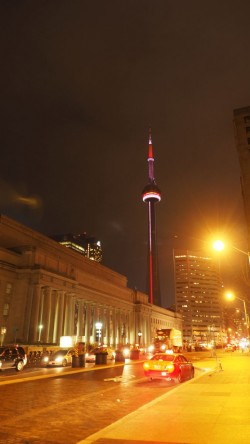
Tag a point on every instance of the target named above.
point(48, 291)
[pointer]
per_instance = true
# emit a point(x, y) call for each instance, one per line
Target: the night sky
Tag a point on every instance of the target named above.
point(82, 81)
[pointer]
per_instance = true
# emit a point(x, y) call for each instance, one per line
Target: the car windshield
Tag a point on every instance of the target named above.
point(162, 357)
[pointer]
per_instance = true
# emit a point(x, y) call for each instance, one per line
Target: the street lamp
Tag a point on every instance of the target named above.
point(231, 296)
point(219, 245)
point(40, 327)
point(139, 336)
point(98, 327)
point(3, 333)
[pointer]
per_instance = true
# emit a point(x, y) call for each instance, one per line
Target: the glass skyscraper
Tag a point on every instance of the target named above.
point(198, 296)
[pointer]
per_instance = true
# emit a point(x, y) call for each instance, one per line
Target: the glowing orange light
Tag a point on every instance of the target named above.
point(230, 296)
point(218, 245)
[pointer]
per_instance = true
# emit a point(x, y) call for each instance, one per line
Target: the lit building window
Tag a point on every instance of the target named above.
point(6, 309)
point(83, 244)
point(8, 289)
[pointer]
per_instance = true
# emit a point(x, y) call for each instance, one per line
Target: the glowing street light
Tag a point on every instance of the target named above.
point(231, 296)
point(139, 336)
point(219, 246)
point(40, 327)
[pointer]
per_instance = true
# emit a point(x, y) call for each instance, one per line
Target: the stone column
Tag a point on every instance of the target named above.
point(108, 326)
point(87, 331)
point(66, 326)
point(69, 315)
point(115, 325)
point(60, 319)
point(34, 318)
point(47, 314)
point(27, 316)
point(103, 321)
point(84, 320)
point(119, 327)
point(52, 316)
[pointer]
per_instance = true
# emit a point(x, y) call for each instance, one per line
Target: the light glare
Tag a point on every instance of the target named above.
point(218, 245)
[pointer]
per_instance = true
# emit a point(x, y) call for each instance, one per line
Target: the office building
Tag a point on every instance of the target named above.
point(88, 246)
point(198, 296)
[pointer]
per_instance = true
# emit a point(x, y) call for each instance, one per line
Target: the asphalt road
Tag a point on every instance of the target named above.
point(70, 406)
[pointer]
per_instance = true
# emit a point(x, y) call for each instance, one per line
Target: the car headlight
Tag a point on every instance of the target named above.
point(46, 359)
point(59, 359)
point(126, 352)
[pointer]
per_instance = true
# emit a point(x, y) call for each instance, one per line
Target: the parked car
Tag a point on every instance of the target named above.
point(90, 356)
point(169, 366)
point(61, 358)
point(230, 347)
point(12, 357)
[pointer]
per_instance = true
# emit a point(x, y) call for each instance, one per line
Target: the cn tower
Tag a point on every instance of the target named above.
point(151, 195)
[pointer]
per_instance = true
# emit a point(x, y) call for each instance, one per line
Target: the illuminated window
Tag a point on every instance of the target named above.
point(6, 309)
point(8, 289)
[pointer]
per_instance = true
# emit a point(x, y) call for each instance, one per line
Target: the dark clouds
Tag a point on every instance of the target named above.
point(81, 81)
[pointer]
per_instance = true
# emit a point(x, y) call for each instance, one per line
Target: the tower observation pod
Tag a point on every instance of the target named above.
point(151, 195)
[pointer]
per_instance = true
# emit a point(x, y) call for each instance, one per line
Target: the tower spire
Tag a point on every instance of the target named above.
point(150, 157)
point(150, 195)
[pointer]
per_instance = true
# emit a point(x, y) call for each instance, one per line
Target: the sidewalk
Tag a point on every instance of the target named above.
point(214, 408)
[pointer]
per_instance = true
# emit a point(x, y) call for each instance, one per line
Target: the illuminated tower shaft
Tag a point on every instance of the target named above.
point(150, 195)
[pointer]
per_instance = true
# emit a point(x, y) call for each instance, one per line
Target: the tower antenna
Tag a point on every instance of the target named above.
point(151, 195)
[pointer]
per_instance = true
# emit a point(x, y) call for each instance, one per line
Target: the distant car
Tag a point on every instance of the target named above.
point(12, 357)
point(90, 356)
point(169, 366)
point(59, 358)
point(230, 348)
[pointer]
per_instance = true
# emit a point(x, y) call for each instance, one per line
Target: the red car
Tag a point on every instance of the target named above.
point(169, 366)
point(230, 347)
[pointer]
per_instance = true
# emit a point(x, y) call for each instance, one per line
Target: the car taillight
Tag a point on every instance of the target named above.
point(170, 368)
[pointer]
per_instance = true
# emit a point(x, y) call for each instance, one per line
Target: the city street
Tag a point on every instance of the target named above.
point(71, 405)
point(213, 408)
point(52, 406)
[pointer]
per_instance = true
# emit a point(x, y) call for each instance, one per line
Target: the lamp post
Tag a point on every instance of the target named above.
point(219, 246)
point(231, 296)
point(139, 337)
point(98, 327)
point(3, 333)
point(40, 327)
